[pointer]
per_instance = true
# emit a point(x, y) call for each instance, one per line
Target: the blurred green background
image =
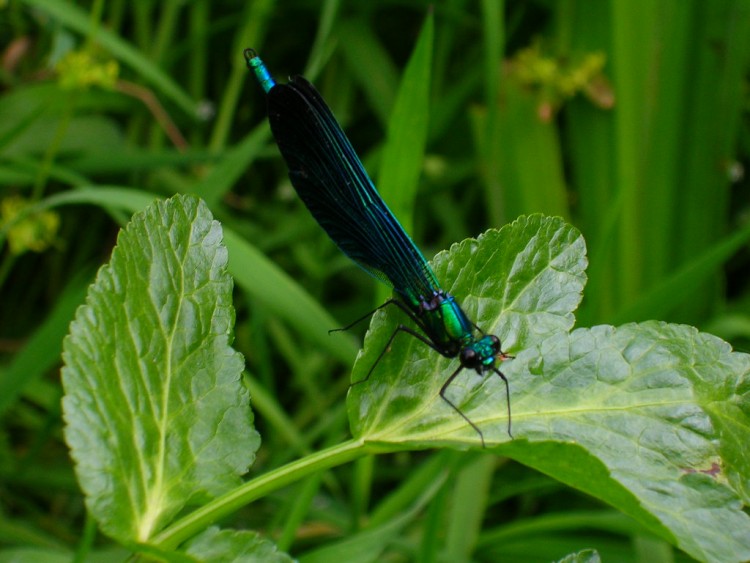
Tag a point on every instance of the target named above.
point(629, 118)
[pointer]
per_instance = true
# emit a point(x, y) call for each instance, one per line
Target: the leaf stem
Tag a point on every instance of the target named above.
point(204, 516)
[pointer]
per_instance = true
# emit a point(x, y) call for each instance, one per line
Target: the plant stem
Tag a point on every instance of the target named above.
point(201, 518)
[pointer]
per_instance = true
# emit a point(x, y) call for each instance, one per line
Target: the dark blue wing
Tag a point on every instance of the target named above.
point(333, 184)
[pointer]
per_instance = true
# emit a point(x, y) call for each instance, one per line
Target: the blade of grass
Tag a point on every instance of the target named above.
point(404, 150)
point(632, 24)
point(669, 293)
point(468, 507)
point(256, 18)
point(363, 53)
point(403, 153)
point(720, 56)
point(493, 35)
point(73, 17)
point(42, 351)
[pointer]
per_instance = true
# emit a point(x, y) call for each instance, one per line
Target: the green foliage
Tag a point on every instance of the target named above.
point(643, 416)
point(584, 556)
point(535, 269)
point(629, 415)
point(407, 132)
point(156, 415)
point(225, 545)
point(627, 119)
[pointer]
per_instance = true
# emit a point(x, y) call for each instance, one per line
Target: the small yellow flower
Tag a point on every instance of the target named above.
point(79, 70)
point(35, 232)
point(557, 80)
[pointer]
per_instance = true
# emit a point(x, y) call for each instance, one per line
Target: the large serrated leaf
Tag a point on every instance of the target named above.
point(157, 416)
point(652, 418)
point(633, 416)
point(523, 284)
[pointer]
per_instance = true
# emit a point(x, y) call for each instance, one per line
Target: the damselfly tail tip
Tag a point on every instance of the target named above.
point(249, 54)
point(259, 69)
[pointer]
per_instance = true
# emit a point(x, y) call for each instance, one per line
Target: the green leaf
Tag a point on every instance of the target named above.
point(522, 283)
point(252, 270)
point(652, 418)
point(218, 546)
point(157, 417)
point(34, 554)
point(583, 556)
point(403, 152)
point(364, 52)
